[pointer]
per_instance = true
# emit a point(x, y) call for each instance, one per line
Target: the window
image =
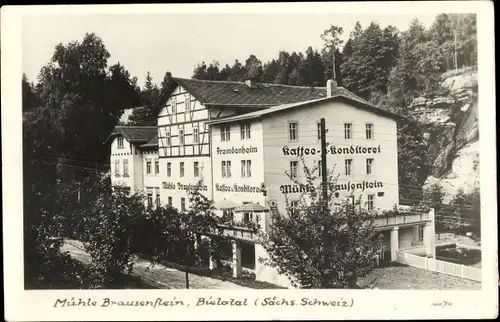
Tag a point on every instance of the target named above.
point(125, 168)
point(320, 170)
point(170, 201)
point(169, 169)
point(187, 102)
point(293, 168)
point(421, 232)
point(369, 131)
point(196, 136)
point(174, 105)
point(370, 202)
point(226, 169)
point(168, 138)
point(293, 128)
point(181, 136)
point(294, 204)
point(225, 133)
point(148, 167)
point(158, 201)
point(348, 131)
point(117, 168)
point(150, 199)
point(319, 131)
point(196, 169)
point(245, 131)
point(157, 167)
point(120, 143)
point(348, 167)
point(181, 169)
point(369, 166)
point(247, 216)
point(246, 168)
point(183, 204)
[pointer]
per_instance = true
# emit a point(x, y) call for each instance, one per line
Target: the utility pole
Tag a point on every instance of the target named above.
point(324, 175)
point(324, 199)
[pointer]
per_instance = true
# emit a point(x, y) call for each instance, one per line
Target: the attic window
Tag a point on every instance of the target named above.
point(120, 143)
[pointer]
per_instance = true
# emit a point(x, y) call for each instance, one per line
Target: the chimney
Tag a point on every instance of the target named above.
point(251, 82)
point(331, 88)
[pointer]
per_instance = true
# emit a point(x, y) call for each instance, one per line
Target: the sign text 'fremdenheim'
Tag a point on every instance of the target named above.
point(301, 150)
point(233, 150)
point(300, 188)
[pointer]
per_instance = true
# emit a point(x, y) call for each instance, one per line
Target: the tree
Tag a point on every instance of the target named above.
point(150, 94)
point(110, 225)
point(271, 70)
point(253, 67)
point(78, 84)
point(315, 248)
point(433, 198)
point(75, 85)
point(368, 59)
point(413, 165)
point(464, 213)
point(331, 51)
point(30, 99)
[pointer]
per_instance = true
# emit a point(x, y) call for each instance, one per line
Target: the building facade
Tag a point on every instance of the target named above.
point(246, 139)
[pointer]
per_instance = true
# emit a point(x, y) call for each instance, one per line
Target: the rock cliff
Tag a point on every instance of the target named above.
point(451, 132)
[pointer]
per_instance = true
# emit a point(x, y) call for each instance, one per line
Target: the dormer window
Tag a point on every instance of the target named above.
point(120, 143)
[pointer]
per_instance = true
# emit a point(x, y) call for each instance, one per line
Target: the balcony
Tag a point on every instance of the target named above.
point(237, 232)
point(401, 219)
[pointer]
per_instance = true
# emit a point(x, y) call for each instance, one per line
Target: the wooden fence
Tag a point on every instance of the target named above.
point(438, 266)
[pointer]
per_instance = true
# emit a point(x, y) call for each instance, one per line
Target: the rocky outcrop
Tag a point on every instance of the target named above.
point(452, 133)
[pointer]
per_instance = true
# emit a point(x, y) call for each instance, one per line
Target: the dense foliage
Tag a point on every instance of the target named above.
point(318, 248)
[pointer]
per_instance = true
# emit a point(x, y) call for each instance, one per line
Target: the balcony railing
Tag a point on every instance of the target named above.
point(400, 218)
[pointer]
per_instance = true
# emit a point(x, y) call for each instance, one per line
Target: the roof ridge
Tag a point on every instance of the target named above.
point(208, 81)
point(241, 83)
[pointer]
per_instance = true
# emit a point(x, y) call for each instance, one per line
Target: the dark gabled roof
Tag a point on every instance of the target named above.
point(151, 143)
point(228, 93)
point(339, 95)
point(134, 134)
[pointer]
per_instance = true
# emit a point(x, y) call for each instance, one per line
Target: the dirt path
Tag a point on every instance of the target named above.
point(166, 277)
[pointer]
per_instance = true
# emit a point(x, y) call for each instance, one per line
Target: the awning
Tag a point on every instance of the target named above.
point(225, 204)
point(250, 207)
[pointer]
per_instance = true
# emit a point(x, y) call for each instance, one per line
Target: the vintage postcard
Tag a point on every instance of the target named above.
point(249, 161)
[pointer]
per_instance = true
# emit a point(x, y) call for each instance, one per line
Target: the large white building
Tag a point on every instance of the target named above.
point(244, 139)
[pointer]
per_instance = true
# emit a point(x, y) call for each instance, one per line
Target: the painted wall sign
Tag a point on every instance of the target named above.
point(301, 188)
point(301, 150)
point(180, 186)
point(233, 150)
point(237, 188)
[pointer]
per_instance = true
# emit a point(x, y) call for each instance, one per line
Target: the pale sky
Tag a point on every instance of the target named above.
point(177, 42)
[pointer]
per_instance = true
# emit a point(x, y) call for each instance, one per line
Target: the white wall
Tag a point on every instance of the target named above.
point(232, 188)
point(152, 181)
point(336, 114)
point(126, 153)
